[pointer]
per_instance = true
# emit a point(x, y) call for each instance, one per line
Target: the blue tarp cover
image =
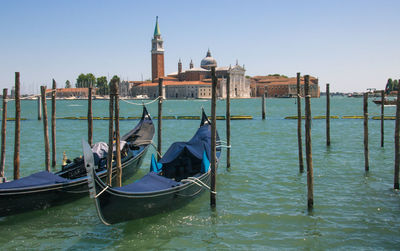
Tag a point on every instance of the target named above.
point(149, 182)
point(200, 142)
point(33, 180)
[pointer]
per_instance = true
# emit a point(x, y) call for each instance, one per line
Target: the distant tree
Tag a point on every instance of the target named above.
point(80, 80)
point(278, 75)
point(84, 80)
point(115, 77)
point(67, 84)
point(91, 79)
point(389, 86)
point(102, 86)
point(395, 85)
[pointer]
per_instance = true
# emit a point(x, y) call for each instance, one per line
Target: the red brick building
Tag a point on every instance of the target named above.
point(281, 87)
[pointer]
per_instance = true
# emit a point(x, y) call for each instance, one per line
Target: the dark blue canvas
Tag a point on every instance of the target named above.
point(36, 179)
point(200, 142)
point(149, 182)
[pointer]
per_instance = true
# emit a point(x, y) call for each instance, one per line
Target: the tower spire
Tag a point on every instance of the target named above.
point(157, 29)
point(157, 54)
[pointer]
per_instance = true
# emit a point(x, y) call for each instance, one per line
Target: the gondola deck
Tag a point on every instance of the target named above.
point(184, 174)
point(44, 189)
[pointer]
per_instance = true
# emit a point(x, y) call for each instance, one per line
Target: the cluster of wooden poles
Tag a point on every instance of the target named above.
point(113, 133)
point(310, 176)
point(213, 129)
point(17, 129)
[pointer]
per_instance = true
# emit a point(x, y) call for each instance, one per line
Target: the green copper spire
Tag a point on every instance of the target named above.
point(157, 29)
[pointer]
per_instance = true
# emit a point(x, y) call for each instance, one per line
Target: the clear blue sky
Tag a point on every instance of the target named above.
point(351, 44)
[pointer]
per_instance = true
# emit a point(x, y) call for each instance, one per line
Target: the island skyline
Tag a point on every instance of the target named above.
point(351, 45)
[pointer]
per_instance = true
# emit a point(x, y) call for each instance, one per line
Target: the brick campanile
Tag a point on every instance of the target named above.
point(157, 54)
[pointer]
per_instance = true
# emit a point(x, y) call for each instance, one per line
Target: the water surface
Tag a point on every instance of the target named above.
point(261, 201)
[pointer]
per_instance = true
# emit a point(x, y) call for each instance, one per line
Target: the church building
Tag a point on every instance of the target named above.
point(194, 82)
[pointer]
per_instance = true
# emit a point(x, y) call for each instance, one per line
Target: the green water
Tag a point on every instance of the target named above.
point(261, 201)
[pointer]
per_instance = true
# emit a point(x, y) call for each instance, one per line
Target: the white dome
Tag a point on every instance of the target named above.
point(208, 61)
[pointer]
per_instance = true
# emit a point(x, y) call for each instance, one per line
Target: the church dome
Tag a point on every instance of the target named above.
point(208, 61)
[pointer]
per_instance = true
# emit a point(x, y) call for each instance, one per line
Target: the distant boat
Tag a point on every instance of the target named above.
point(100, 97)
point(142, 96)
point(70, 98)
point(385, 102)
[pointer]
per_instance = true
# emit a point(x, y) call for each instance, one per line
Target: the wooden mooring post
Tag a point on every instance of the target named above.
point(328, 116)
point(3, 137)
point(39, 104)
point(17, 126)
point(90, 116)
point(382, 117)
point(110, 137)
point(366, 149)
point(299, 139)
point(159, 119)
point(53, 124)
point(45, 129)
point(117, 138)
point(396, 144)
point(310, 175)
point(228, 121)
point(213, 138)
point(263, 106)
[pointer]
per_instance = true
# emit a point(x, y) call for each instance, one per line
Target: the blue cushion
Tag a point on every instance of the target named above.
point(205, 163)
point(151, 182)
point(154, 166)
point(42, 178)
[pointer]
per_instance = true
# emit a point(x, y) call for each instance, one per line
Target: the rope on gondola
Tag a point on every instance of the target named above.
point(102, 191)
point(223, 146)
point(155, 148)
point(198, 182)
point(148, 103)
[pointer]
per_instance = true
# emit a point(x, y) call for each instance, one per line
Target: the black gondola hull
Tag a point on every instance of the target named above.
point(115, 207)
point(184, 175)
point(16, 201)
point(71, 182)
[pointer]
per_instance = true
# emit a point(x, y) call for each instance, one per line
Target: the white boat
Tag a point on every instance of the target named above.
point(142, 96)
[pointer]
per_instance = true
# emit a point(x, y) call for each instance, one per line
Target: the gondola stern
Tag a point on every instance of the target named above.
point(204, 118)
point(92, 179)
point(145, 114)
point(89, 166)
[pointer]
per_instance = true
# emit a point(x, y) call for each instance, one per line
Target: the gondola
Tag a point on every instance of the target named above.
point(44, 189)
point(181, 175)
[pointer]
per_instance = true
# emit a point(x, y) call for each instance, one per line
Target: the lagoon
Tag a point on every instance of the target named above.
point(261, 200)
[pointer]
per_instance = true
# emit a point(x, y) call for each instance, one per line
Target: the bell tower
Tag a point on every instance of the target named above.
point(157, 54)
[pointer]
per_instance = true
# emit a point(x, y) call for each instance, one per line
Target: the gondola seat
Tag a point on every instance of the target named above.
point(37, 179)
point(150, 182)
